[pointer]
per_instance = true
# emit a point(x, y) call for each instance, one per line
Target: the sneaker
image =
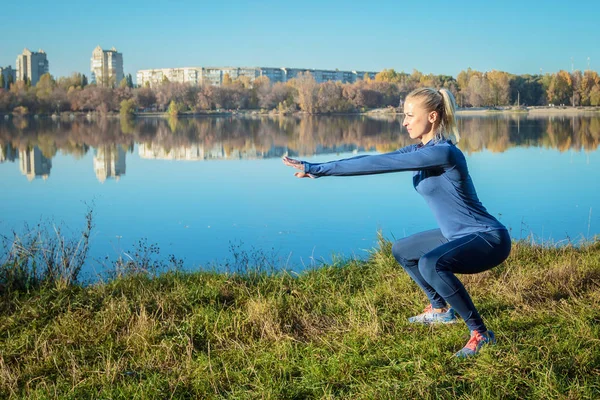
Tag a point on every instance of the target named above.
point(475, 343)
point(430, 317)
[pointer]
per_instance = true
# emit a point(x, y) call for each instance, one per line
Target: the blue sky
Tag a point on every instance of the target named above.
point(439, 37)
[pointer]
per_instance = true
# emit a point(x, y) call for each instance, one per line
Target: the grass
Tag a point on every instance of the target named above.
point(337, 331)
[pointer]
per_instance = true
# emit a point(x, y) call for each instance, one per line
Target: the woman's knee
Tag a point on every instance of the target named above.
point(428, 267)
point(399, 251)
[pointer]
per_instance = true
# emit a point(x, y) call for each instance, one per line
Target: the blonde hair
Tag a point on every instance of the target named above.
point(442, 101)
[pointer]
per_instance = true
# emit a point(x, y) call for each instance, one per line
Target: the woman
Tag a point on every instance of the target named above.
point(469, 240)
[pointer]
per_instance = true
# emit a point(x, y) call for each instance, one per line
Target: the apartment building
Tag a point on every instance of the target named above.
point(106, 67)
point(31, 66)
point(9, 75)
point(216, 75)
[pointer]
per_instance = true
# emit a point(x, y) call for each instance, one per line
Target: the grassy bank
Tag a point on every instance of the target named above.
point(338, 331)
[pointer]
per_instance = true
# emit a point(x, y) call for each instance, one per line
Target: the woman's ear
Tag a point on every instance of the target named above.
point(433, 116)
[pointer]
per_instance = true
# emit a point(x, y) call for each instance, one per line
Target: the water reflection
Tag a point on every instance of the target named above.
point(33, 163)
point(109, 162)
point(36, 141)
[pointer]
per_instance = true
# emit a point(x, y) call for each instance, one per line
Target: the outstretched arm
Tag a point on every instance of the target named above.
point(426, 157)
point(303, 166)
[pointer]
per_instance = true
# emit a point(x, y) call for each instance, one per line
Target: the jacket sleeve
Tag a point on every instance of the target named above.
point(423, 158)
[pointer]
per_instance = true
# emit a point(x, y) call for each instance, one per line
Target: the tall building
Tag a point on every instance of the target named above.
point(31, 66)
point(107, 67)
point(9, 75)
point(216, 75)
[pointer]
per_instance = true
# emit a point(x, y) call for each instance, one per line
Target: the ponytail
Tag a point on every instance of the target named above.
point(449, 114)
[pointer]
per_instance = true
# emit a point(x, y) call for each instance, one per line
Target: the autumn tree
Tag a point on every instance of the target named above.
point(278, 93)
point(389, 75)
point(499, 87)
point(2, 82)
point(307, 87)
point(330, 99)
point(560, 89)
point(587, 83)
point(478, 90)
point(595, 95)
point(144, 97)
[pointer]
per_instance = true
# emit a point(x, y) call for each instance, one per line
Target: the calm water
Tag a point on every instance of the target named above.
point(197, 187)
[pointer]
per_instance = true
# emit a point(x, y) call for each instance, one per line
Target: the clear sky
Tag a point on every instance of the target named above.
point(439, 37)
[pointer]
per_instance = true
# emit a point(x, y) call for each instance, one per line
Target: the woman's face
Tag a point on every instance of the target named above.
point(418, 122)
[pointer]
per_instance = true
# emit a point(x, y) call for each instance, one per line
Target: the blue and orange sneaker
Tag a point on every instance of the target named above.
point(475, 343)
point(428, 317)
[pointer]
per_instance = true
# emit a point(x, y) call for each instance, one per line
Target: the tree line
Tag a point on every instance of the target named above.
point(471, 88)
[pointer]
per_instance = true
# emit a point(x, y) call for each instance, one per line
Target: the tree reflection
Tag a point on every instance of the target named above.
point(262, 137)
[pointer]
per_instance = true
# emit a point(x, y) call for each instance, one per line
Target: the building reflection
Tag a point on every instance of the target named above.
point(190, 153)
point(197, 152)
point(109, 162)
point(34, 164)
point(7, 153)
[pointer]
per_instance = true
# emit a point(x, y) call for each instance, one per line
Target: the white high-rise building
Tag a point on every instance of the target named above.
point(106, 67)
point(31, 66)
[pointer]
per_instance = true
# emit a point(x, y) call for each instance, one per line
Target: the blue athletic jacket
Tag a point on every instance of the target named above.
point(441, 176)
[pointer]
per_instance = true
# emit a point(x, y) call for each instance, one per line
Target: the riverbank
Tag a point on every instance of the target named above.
point(378, 112)
point(338, 331)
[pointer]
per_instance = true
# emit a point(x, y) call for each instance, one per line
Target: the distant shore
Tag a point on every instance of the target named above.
point(381, 112)
point(537, 110)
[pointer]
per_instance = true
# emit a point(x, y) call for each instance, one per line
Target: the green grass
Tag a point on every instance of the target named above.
point(338, 331)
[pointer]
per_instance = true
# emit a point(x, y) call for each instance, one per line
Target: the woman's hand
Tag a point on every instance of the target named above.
point(290, 162)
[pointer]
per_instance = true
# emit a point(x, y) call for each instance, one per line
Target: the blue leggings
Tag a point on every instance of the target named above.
point(431, 260)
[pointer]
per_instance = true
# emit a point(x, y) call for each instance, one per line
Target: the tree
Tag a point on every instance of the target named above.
point(127, 108)
point(307, 88)
point(145, 97)
point(499, 85)
point(2, 83)
point(330, 99)
point(175, 108)
point(129, 81)
point(123, 83)
point(595, 95)
point(587, 83)
point(84, 80)
point(561, 88)
point(388, 75)
point(227, 79)
point(478, 90)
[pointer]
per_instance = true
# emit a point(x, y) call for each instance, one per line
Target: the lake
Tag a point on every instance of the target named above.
point(207, 189)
